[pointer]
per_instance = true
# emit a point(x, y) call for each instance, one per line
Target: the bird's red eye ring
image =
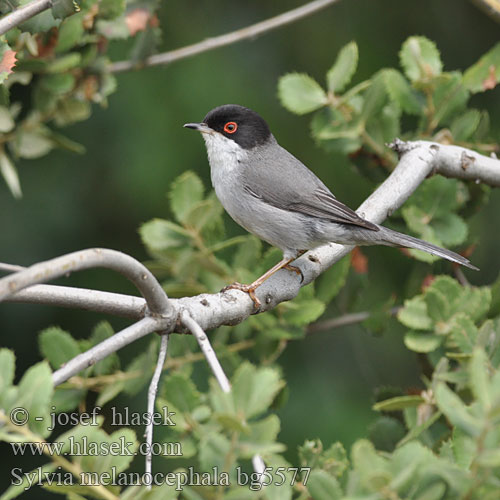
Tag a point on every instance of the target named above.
point(230, 127)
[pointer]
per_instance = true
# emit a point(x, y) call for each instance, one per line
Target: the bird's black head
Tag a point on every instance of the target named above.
point(242, 125)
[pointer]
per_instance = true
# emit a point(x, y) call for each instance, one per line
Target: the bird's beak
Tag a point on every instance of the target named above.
point(200, 127)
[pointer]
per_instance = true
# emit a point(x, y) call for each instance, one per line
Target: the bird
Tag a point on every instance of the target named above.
point(273, 195)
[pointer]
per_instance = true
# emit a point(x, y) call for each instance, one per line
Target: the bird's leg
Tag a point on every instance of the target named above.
point(296, 269)
point(250, 289)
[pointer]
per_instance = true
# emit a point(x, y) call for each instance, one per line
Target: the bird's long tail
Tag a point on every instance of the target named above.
point(393, 238)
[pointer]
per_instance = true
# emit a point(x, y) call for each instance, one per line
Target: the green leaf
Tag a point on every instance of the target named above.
point(322, 486)
point(385, 433)
point(414, 314)
point(464, 125)
point(372, 468)
point(214, 451)
point(35, 393)
point(332, 280)
point(438, 305)
point(6, 121)
point(110, 363)
point(64, 8)
point(463, 332)
point(57, 346)
point(303, 312)
point(40, 23)
point(185, 193)
point(485, 73)
point(9, 173)
point(300, 94)
point(422, 342)
point(456, 411)
point(205, 215)
point(375, 98)
point(479, 380)
point(58, 83)
point(334, 133)
point(450, 229)
point(70, 31)
point(7, 369)
point(340, 74)
point(71, 110)
point(254, 389)
point(181, 391)
point(398, 403)
point(33, 144)
point(160, 234)
point(146, 44)
point(420, 58)
point(110, 9)
point(449, 97)
point(401, 92)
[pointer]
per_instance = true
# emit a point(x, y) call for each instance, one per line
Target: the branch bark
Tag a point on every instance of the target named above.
point(227, 39)
point(22, 14)
point(132, 269)
point(490, 7)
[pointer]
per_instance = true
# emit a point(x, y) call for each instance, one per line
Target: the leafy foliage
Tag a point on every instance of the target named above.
point(60, 57)
point(439, 441)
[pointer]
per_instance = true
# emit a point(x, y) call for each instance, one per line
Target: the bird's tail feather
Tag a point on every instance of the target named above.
point(393, 238)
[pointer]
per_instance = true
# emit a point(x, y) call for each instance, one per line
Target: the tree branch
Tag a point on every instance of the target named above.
point(490, 7)
point(153, 389)
point(212, 360)
point(207, 350)
point(229, 38)
point(22, 14)
point(132, 269)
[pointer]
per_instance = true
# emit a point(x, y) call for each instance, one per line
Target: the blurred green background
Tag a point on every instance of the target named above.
point(137, 146)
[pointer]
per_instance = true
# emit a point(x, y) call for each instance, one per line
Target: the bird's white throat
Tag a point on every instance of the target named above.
point(223, 154)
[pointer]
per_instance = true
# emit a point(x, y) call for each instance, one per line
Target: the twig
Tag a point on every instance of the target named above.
point(153, 388)
point(22, 14)
point(132, 269)
point(227, 39)
point(105, 348)
point(489, 7)
point(207, 350)
point(10, 268)
point(344, 320)
point(116, 304)
point(212, 360)
point(461, 278)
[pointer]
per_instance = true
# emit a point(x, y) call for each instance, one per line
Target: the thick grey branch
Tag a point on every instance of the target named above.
point(229, 38)
point(136, 272)
point(22, 14)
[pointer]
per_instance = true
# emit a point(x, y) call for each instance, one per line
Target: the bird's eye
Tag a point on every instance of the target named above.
point(230, 127)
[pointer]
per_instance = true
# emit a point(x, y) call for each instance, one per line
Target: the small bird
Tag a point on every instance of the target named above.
point(274, 196)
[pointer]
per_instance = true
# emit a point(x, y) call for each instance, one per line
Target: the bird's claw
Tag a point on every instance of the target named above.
point(250, 289)
point(296, 270)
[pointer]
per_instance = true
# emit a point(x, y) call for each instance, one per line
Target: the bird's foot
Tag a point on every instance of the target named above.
point(296, 270)
point(250, 289)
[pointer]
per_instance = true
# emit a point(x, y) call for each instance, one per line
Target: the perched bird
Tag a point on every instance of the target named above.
point(269, 192)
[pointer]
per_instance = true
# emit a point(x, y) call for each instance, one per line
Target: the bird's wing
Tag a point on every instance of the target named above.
point(281, 180)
